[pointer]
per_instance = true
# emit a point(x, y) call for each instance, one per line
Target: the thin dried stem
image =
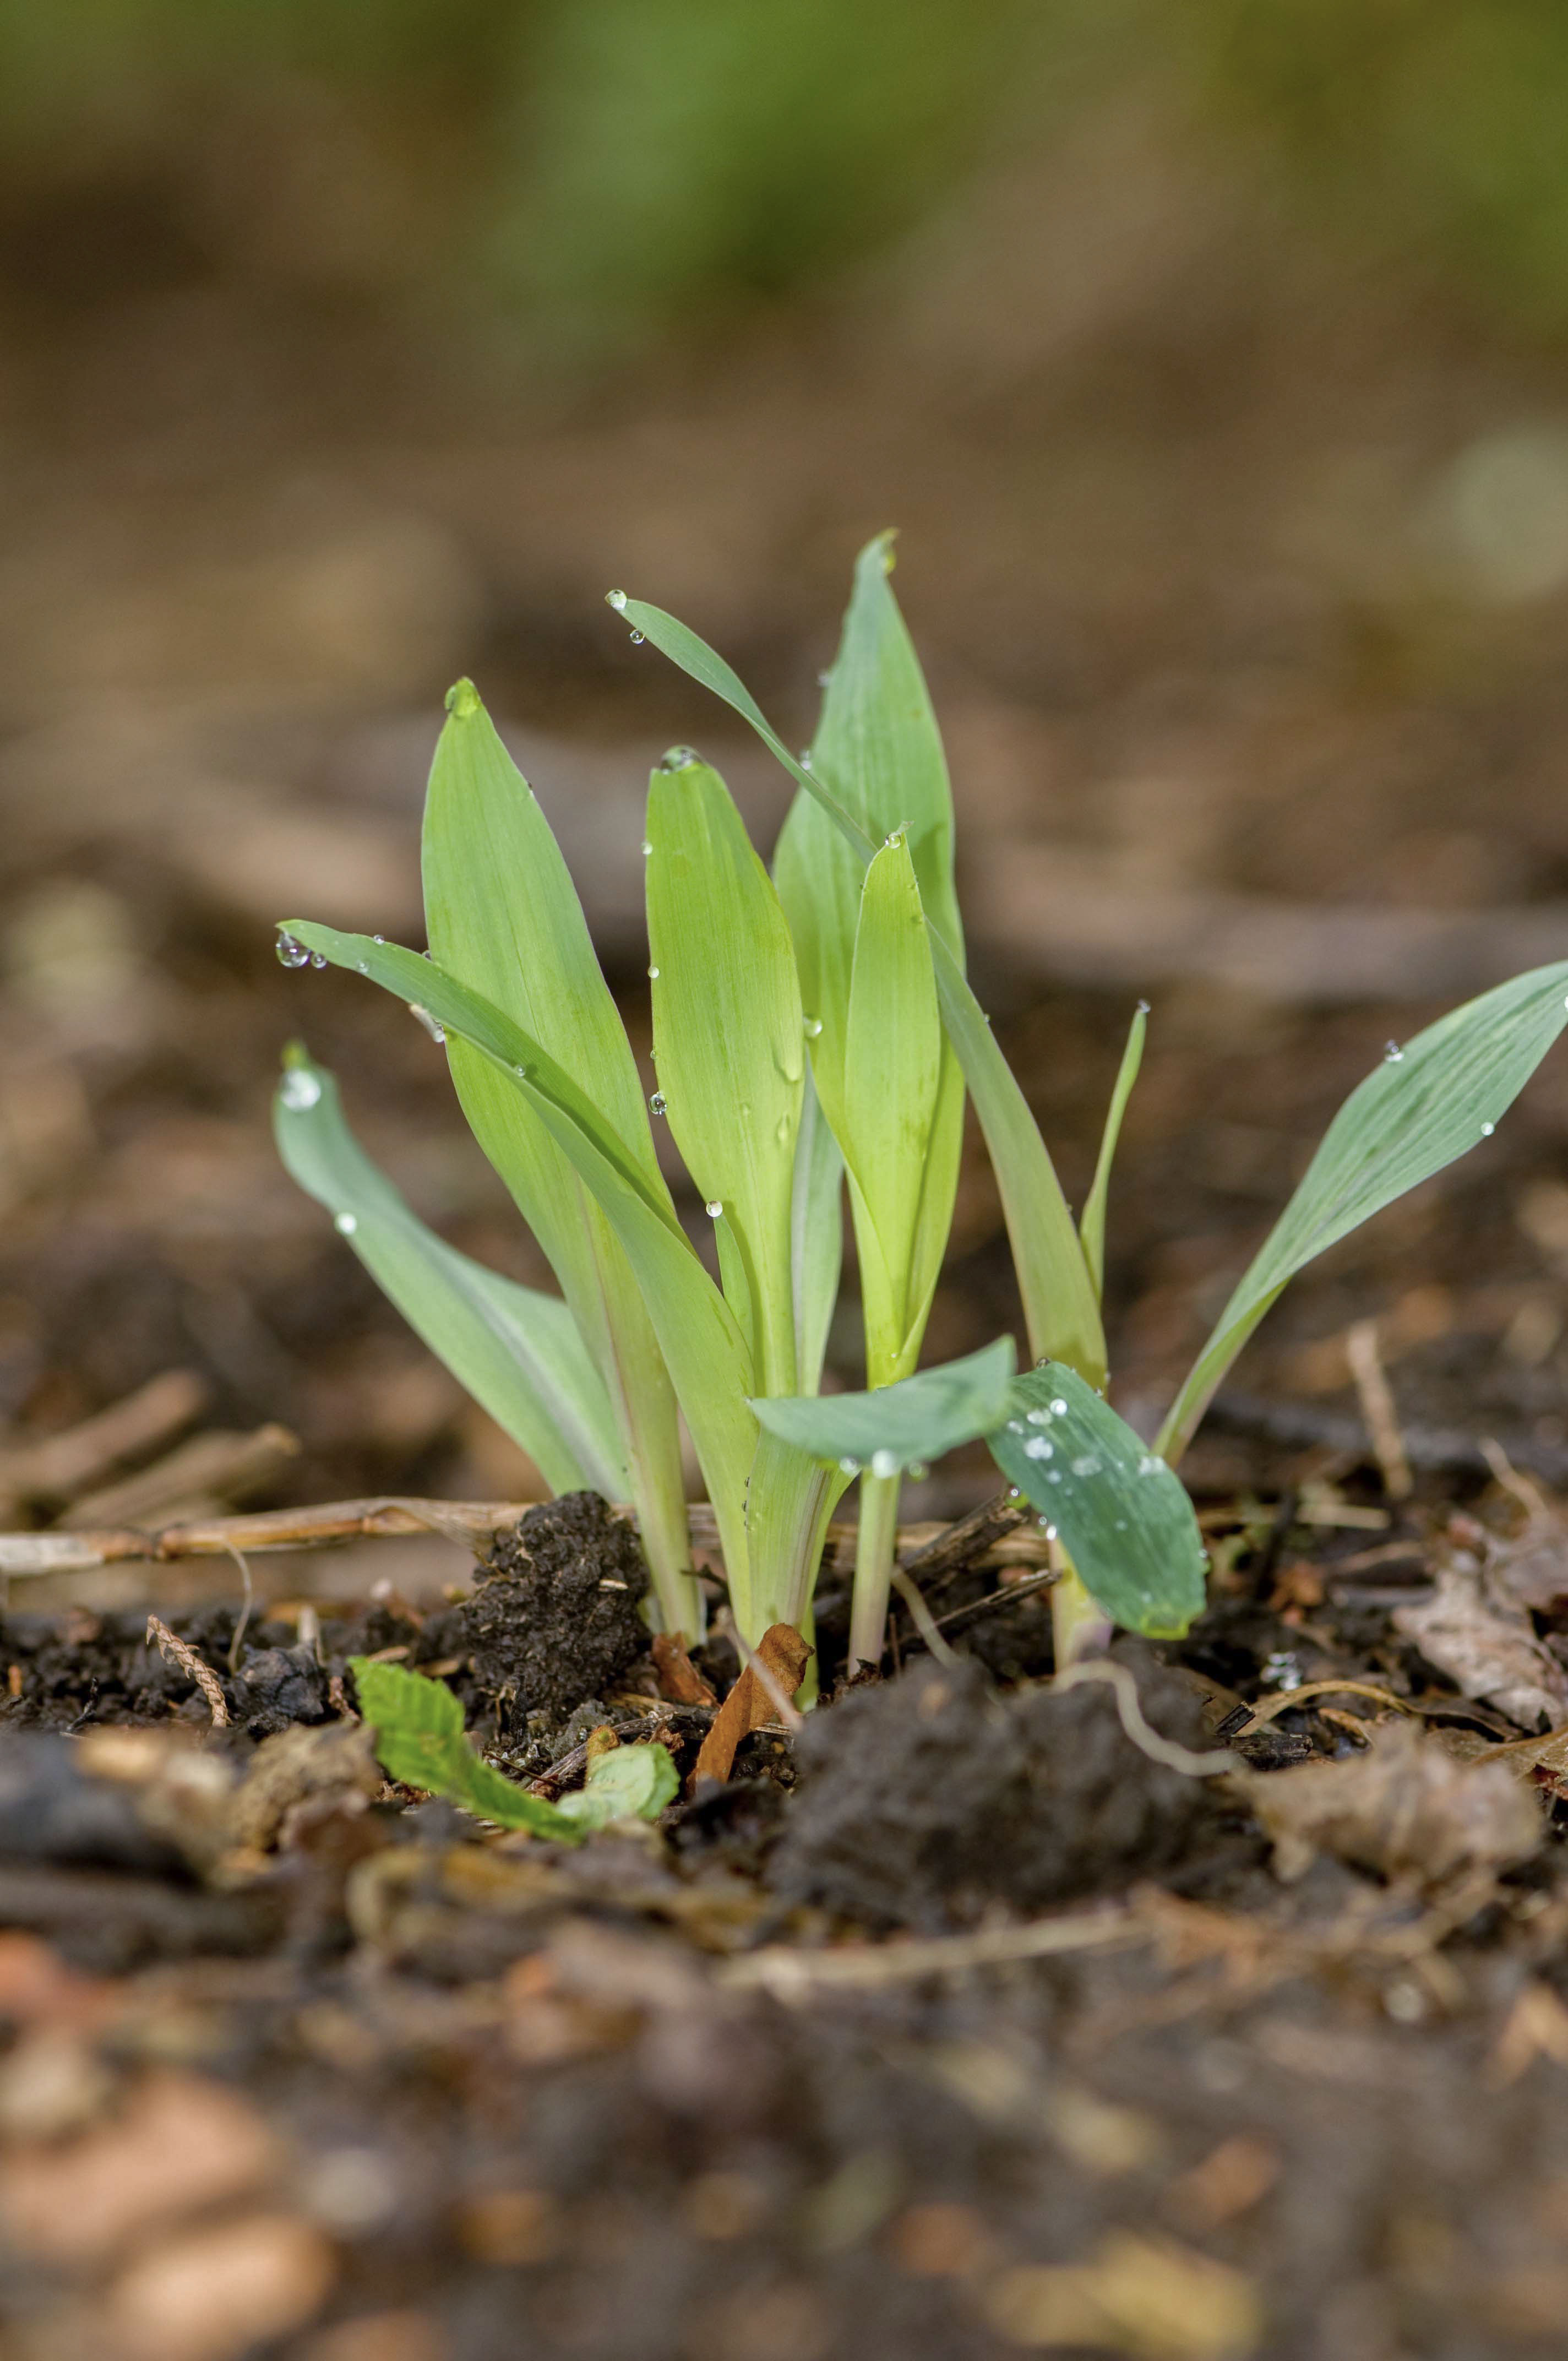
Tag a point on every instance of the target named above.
point(176, 1651)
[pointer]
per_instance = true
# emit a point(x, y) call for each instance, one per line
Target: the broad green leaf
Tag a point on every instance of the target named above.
point(503, 917)
point(728, 1035)
point(917, 1419)
point(1091, 1226)
point(1059, 1304)
point(697, 1331)
point(420, 1738)
point(879, 746)
point(517, 1352)
point(817, 1236)
point(892, 1066)
point(1420, 1109)
point(628, 1782)
point(1121, 1514)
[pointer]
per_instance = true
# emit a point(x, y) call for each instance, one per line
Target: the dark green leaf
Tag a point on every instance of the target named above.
point(1121, 1514)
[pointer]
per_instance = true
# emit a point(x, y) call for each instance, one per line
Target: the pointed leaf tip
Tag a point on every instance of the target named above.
point(463, 700)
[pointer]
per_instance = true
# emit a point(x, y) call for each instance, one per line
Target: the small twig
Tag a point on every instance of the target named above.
point(180, 1651)
point(792, 1974)
point(1376, 1399)
point(1207, 1766)
point(1290, 1698)
point(1007, 1595)
point(969, 1538)
point(924, 1621)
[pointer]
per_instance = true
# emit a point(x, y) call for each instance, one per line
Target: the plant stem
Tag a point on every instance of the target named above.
point(1079, 1627)
point(873, 1567)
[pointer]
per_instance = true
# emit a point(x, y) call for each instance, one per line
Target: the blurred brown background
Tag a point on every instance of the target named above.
point(1213, 364)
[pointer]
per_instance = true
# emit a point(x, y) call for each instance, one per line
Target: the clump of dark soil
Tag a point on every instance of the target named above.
point(921, 1802)
point(553, 1619)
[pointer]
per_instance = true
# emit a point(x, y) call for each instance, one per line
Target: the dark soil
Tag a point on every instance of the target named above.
point(492, 2097)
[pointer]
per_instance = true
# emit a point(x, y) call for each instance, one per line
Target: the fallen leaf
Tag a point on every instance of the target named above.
point(1483, 1639)
point(216, 2293)
point(1404, 1808)
point(748, 1707)
point(1541, 1760)
point(1146, 2297)
point(679, 1681)
point(181, 2143)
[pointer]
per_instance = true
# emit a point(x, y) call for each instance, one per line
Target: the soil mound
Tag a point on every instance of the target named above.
point(922, 1801)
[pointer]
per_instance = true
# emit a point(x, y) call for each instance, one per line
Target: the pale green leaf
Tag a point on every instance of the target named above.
point(1441, 1095)
point(891, 1426)
point(728, 1037)
point(503, 917)
point(1059, 1303)
point(817, 1236)
point(419, 1738)
point(625, 1783)
point(696, 1329)
point(1120, 1511)
point(517, 1352)
point(1091, 1226)
point(892, 1066)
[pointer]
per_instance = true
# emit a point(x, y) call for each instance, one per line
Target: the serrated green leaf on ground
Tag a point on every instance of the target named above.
point(1122, 1514)
point(420, 1741)
point(1425, 1106)
point(517, 1352)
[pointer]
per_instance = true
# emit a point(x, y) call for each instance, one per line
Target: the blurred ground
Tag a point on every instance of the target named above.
point(1239, 558)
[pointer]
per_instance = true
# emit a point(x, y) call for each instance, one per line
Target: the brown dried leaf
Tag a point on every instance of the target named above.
point(1405, 1808)
point(1470, 1629)
point(182, 2143)
point(748, 1707)
point(680, 1683)
point(1542, 1760)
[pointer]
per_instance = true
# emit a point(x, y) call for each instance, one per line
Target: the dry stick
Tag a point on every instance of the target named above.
point(83, 1456)
point(1527, 1494)
point(1376, 1398)
point(969, 1538)
point(1009, 1593)
point(1207, 1766)
point(246, 1612)
point(1290, 1698)
point(180, 1651)
point(794, 1975)
point(387, 1516)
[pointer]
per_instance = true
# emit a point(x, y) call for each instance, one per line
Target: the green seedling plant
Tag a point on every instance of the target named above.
point(815, 1039)
point(417, 1725)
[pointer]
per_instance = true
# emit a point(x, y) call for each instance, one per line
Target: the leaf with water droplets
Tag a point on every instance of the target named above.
point(1413, 1115)
point(1123, 1516)
point(1059, 1301)
point(728, 1026)
point(503, 917)
point(919, 1418)
point(517, 1352)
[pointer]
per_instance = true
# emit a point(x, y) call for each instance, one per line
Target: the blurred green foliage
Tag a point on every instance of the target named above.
point(611, 164)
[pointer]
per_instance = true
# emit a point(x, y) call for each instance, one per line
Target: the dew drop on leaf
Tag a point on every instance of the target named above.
point(849, 1466)
point(616, 598)
point(1392, 1054)
point(813, 1028)
point(647, 850)
point(714, 1207)
point(1488, 1130)
point(318, 958)
point(1059, 1407)
point(658, 1102)
point(885, 1463)
point(299, 1090)
point(345, 1225)
point(290, 952)
point(652, 976)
